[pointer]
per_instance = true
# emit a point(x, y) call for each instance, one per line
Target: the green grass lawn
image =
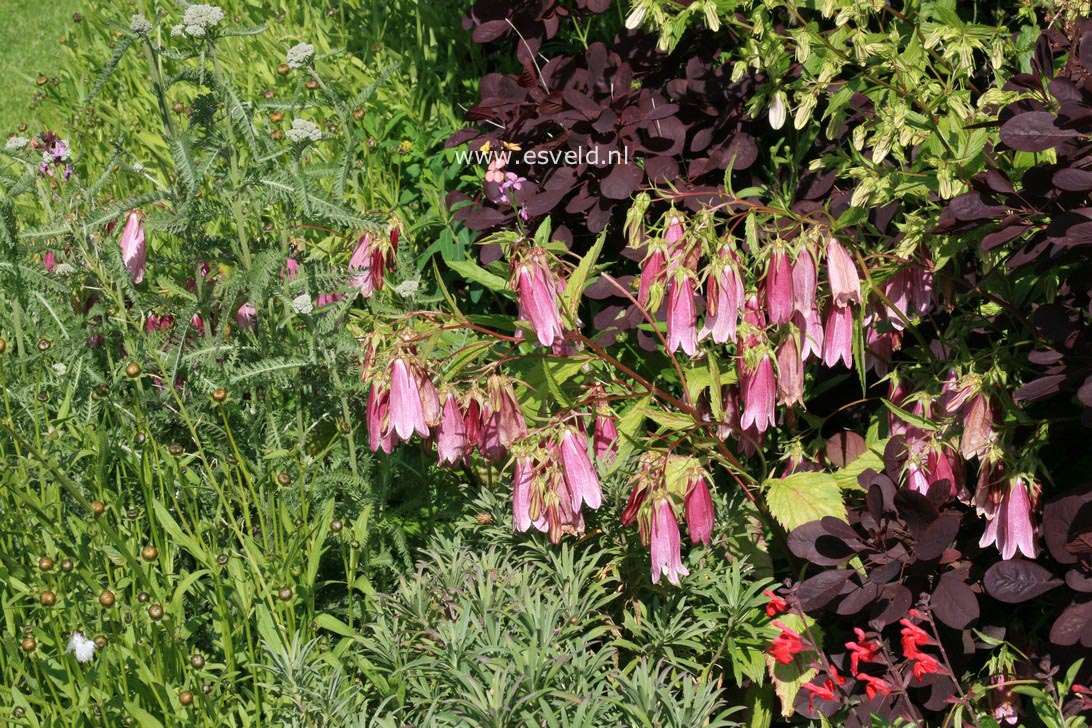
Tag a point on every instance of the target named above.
point(29, 45)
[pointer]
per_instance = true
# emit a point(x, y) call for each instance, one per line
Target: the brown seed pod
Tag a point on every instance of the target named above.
point(285, 593)
point(44, 344)
point(143, 597)
point(67, 566)
point(219, 394)
point(276, 134)
point(283, 69)
point(175, 450)
point(276, 117)
point(358, 114)
point(45, 563)
point(101, 641)
point(283, 478)
point(3, 346)
point(132, 369)
point(106, 598)
point(155, 612)
point(41, 80)
point(336, 525)
point(311, 84)
point(48, 598)
point(30, 644)
point(98, 507)
point(197, 661)
point(149, 553)
point(185, 697)
point(178, 107)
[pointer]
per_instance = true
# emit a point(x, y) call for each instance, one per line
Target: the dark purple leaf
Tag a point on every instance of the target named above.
point(1017, 580)
point(818, 591)
point(860, 598)
point(1033, 131)
point(1073, 625)
point(914, 508)
point(844, 448)
point(1039, 388)
point(1073, 180)
point(1078, 581)
point(938, 536)
point(622, 182)
point(896, 605)
point(1058, 518)
point(953, 602)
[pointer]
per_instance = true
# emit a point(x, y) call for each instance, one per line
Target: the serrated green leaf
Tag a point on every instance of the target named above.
point(471, 271)
point(802, 497)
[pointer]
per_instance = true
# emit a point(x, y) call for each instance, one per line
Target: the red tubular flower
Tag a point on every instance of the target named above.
point(536, 286)
point(779, 288)
point(1011, 529)
point(925, 664)
point(578, 471)
point(823, 692)
point(451, 438)
point(133, 250)
point(786, 644)
point(759, 395)
point(699, 508)
point(875, 685)
point(863, 650)
point(776, 605)
point(845, 284)
point(682, 316)
point(49, 261)
point(913, 637)
point(666, 547)
point(838, 336)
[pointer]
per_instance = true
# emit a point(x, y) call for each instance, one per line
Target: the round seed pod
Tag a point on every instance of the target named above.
point(98, 507)
point(185, 697)
point(47, 598)
point(29, 644)
point(106, 598)
point(285, 593)
point(132, 370)
point(149, 553)
point(155, 612)
point(45, 563)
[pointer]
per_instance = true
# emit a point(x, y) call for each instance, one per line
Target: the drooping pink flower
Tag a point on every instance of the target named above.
point(372, 257)
point(407, 414)
point(451, 433)
point(510, 425)
point(325, 299)
point(578, 470)
point(290, 269)
point(49, 261)
point(944, 464)
point(759, 394)
point(978, 431)
point(675, 231)
point(133, 250)
point(198, 323)
point(523, 479)
point(653, 269)
point(536, 286)
point(378, 418)
point(430, 400)
point(681, 315)
point(246, 316)
point(605, 437)
point(810, 326)
point(780, 300)
point(666, 546)
point(790, 372)
point(838, 336)
point(723, 298)
point(880, 347)
point(845, 284)
point(1011, 529)
point(699, 508)
point(804, 282)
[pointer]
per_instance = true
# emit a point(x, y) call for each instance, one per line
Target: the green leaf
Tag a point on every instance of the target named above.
point(333, 624)
point(871, 458)
point(909, 417)
point(803, 497)
point(574, 289)
point(471, 271)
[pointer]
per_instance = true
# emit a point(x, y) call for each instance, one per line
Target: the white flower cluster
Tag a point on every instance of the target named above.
point(197, 20)
point(300, 54)
point(16, 142)
point(408, 288)
point(304, 130)
point(140, 24)
point(83, 647)
point(303, 303)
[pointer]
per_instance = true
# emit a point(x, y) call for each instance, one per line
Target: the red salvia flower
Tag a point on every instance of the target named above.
point(776, 605)
point(786, 644)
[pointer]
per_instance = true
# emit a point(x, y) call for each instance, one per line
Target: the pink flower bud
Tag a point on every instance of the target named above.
point(49, 261)
point(652, 272)
point(605, 439)
point(779, 288)
point(378, 417)
point(681, 315)
point(510, 425)
point(675, 230)
point(133, 249)
point(845, 284)
point(290, 269)
point(790, 372)
point(699, 509)
point(666, 547)
point(838, 336)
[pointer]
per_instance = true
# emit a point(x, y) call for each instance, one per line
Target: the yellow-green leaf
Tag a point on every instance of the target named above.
point(803, 497)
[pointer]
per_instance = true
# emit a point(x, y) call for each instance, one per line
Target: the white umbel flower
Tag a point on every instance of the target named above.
point(140, 24)
point(303, 303)
point(83, 648)
point(198, 19)
point(304, 130)
point(300, 54)
point(16, 142)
